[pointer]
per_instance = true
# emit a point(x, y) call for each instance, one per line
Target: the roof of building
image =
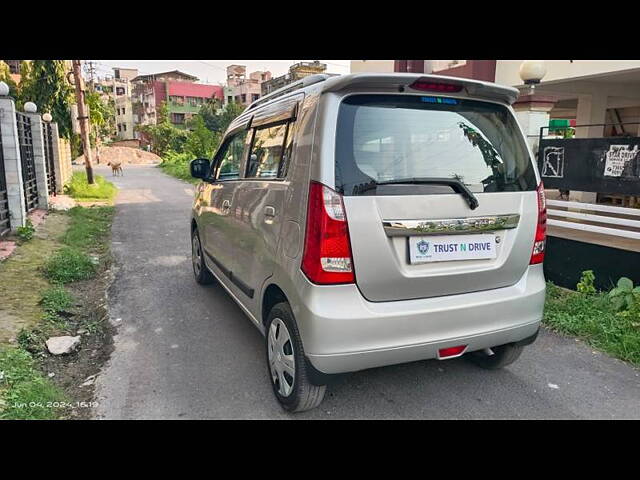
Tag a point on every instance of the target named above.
point(187, 89)
point(176, 72)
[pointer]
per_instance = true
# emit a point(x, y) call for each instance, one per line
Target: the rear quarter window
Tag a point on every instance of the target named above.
point(382, 138)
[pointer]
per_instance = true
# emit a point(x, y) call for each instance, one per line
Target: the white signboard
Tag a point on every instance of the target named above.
point(442, 248)
point(617, 158)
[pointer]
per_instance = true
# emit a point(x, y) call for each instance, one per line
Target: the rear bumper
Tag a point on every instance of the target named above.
point(342, 332)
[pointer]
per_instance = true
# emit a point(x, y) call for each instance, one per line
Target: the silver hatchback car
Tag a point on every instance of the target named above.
point(373, 219)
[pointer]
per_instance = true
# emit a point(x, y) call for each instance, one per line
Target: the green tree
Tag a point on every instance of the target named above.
point(101, 115)
point(44, 82)
point(5, 76)
point(163, 136)
point(201, 142)
point(216, 117)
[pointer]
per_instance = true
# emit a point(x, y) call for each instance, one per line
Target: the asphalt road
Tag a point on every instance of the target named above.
point(187, 351)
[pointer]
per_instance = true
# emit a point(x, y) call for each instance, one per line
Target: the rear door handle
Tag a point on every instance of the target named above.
point(226, 205)
point(269, 212)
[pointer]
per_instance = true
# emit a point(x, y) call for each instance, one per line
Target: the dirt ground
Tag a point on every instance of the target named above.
point(75, 373)
point(123, 155)
point(22, 287)
point(21, 280)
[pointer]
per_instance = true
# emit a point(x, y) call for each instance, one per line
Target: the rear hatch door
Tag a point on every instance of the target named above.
point(413, 236)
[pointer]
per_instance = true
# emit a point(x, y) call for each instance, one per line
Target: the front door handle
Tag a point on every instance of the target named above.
point(226, 205)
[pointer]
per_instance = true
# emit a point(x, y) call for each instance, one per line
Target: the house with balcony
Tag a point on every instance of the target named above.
point(182, 95)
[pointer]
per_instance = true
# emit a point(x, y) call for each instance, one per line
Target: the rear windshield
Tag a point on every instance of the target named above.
point(384, 138)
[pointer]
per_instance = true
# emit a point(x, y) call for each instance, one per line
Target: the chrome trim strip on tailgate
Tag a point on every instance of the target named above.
point(450, 226)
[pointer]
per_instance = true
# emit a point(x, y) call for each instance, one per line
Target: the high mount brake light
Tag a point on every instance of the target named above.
point(327, 258)
point(429, 86)
point(537, 255)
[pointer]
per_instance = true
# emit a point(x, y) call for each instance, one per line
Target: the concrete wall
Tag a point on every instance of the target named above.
point(64, 151)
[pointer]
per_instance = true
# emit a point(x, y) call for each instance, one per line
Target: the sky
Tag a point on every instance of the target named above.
point(211, 71)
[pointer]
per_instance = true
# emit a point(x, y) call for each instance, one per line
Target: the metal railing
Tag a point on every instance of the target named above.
point(579, 220)
point(25, 139)
point(5, 225)
point(47, 136)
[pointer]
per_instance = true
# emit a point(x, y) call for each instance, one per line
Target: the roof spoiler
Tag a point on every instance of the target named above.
point(398, 81)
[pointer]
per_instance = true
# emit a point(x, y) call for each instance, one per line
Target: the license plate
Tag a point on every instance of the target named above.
point(444, 248)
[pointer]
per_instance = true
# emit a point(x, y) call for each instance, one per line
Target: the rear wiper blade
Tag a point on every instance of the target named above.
point(454, 183)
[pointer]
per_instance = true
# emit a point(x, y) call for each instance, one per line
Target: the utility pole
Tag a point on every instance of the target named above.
point(83, 119)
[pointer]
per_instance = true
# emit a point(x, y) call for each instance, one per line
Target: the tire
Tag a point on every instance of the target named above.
point(294, 391)
point(200, 271)
point(503, 355)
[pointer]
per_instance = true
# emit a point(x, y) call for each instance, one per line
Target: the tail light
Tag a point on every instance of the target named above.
point(327, 258)
point(428, 85)
point(537, 256)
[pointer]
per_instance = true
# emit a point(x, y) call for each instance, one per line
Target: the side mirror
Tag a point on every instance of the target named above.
point(199, 167)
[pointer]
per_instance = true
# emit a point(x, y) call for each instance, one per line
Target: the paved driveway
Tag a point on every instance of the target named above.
point(186, 351)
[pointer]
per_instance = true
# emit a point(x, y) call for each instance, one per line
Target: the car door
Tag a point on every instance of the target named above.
point(261, 198)
point(218, 224)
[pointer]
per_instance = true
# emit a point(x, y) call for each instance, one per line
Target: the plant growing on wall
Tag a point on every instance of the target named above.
point(44, 82)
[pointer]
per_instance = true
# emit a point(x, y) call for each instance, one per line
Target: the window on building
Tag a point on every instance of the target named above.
point(230, 99)
point(119, 127)
point(243, 98)
point(124, 127)
point(177, 118)
point(122, 110)
point(255, 96)
point(265, 160)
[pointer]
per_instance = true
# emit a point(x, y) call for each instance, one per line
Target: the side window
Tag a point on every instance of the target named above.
point(267, 152)
point(230, 158)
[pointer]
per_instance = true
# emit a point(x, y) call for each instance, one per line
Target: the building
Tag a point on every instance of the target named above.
point(243, 90)
point(118, 88)
point(296, 72)
point(182, 95)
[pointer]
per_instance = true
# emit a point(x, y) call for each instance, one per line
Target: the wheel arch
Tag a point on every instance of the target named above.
point(273, 295)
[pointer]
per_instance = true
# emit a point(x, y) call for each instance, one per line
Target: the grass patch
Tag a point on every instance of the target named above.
point(69, 265)
point(89, 228)
point(594, 319)
point(177, 165)
point(25, 394)
point(79, 189)
point(86, 240)
point(56, 299)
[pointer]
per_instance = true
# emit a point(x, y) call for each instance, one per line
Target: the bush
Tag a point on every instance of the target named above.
point(69, 265)
point(177, 165)
point(26, 233)
point(585, 285)
point(79, 189)
point(56, 299)
point(624, 296)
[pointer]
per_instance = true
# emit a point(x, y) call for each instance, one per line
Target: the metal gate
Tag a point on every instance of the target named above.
point(25, 138)
point(48, 157)
point(5, 226)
